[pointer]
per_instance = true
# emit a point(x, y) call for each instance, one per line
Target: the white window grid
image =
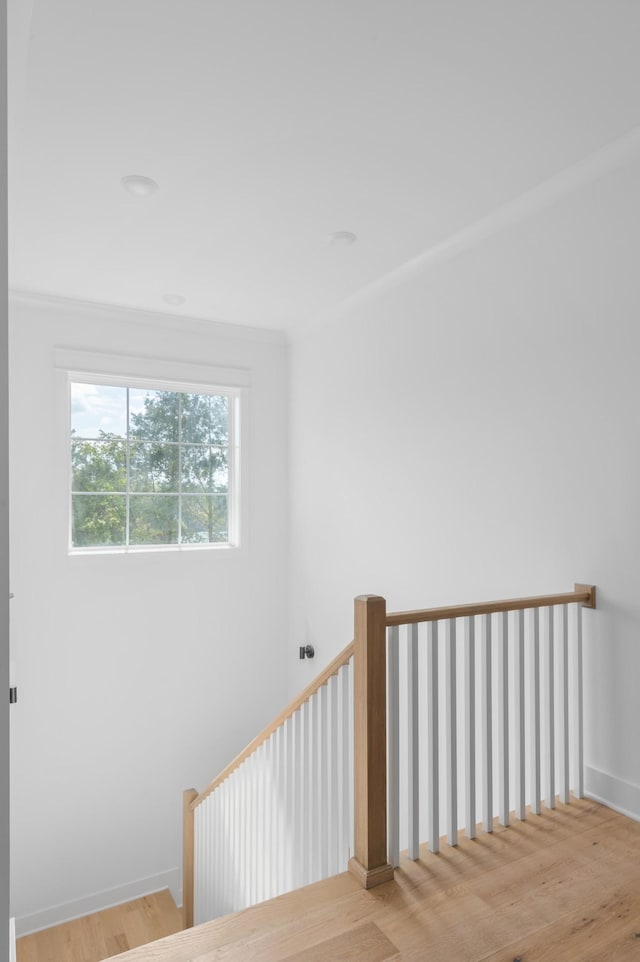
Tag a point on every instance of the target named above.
point(232, 447)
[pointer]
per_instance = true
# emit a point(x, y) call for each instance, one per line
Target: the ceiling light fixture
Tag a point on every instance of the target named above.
point(342, 238)
point(138, 185)
point(173, 299)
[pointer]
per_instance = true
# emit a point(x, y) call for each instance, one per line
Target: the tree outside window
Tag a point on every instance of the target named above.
point(149, 467)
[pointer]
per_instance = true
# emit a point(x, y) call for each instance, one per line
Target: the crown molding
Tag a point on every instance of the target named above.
point(156, 319)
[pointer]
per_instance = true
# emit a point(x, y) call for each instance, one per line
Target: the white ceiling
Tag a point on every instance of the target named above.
point(269, 124)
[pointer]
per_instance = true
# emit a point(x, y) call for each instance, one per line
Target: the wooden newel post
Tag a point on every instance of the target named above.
point(187, 856)
point(369, 863)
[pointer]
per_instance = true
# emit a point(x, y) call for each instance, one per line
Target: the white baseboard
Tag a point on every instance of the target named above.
point(66, 911)
point(622, 796)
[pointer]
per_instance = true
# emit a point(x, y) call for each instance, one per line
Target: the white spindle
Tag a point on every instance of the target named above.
point(281, 802)
point(198, 874)
point(579, 779)
point(550, 723)
point(287, 808)
point(535, 712)
point(470, 726)
point(433, 758)
point(393, 748)
point(271, 841)
point(235, 854)
point(519, 715)
point(486, 713)
point(260, 817)
point(302, 794)
point(345, 810)
point(314, 811)
point(413, 744)
point(503, 718)
point(221, 853)
point(323, 779)
point(213, 857)
point(351, 759)
point(451, 733)
point(333, 844)
point(563, 714)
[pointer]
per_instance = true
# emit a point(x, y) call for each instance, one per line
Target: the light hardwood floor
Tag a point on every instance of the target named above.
point(104, 934)
point(563, 886)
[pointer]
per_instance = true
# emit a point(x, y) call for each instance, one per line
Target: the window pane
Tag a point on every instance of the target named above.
point(153, 519)
point(204, 519)
point(98, 410)
point(204, 469)
point(205, 419)
point(153, 467)
point(153, 415)
point(99, 465)
point(98, 520)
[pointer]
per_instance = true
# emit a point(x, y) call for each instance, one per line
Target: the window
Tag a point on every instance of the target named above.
point(150, 467)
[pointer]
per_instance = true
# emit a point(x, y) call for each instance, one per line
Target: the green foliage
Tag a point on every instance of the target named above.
point(177, 491)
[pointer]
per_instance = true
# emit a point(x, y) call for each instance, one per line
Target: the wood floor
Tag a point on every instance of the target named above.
point(563, 886)
point(104, 934)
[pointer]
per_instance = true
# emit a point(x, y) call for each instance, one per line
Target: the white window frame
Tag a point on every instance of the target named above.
point(155, 374)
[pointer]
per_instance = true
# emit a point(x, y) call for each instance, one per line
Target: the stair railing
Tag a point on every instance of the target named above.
point(496, 688)
point(322, 782)
point(280, 815)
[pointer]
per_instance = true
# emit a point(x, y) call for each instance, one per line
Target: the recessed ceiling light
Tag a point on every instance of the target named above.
point(173, 299)
point(342, 238)
point(138, 185)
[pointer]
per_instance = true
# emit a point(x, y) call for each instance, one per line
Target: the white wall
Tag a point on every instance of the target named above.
point(4, 513)
point(472, 432)
point(139, 675)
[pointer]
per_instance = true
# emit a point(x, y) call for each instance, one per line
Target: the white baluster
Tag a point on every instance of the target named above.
point(300, 801)
point(254, 837)
point(433, 762)
point(486, 721)
point(243, 838)
point(198, 835)
point(451, 712)
point(323, 781)
point(579, 777)
point(563, 714)
point(550, 720)
point(334, 803)
point(221, 854)
point(267, 819)
point(351, 761)
point(279, 809)
point(345, 811)
point(535, 712)
point(413, 744)
point(305, 839)
point(393, 747)
point(314, 808)
point(470, 725)
point(289, 794)
point(234, 790)
point(214, 858)
point(503, 717)
point(519, 715)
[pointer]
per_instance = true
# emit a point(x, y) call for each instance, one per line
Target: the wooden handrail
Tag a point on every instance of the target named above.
point(584, 594)
point(332, 668)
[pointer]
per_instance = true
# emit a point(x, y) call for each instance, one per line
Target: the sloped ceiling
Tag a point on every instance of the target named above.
point(270, 125)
